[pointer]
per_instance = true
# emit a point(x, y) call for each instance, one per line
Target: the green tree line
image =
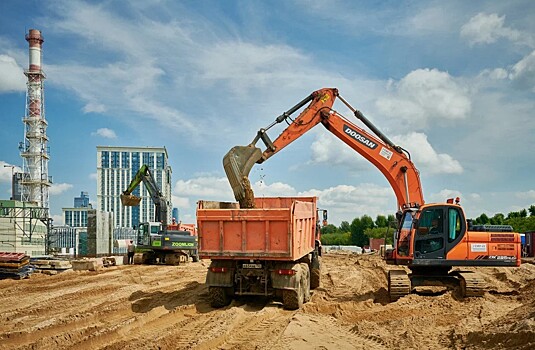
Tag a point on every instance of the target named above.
point(362, 229)
point(359, 231)
point(521, 221)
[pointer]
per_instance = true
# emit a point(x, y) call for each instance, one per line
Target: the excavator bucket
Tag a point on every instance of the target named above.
point(237, 164)
point(129, 200)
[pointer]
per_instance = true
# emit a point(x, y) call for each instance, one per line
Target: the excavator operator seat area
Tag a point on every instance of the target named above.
point(430, 233)
point(430, 222)
point(438, 229)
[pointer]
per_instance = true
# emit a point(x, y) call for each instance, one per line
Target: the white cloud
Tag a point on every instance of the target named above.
point(11, 75)
point(57, 220)
point(443, 195)
point(526, 195)
point(425, 157)
point(523, 72)
point(488, 28)
point(249, 65)
point(346, 202)
point(209, 188)
point(92, 107)
point(6, 171)
point(56, 189)
point(424, 95)
point(327, 149)
point(105, 132)
point(180, 202)
point(494, 74)
point(277, 189)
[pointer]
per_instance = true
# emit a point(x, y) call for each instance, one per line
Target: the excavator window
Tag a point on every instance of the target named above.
point(407, 221)
point(430, 237)
point(406, 225)
point(455, 227)
point(430, 222)
point(154, 229)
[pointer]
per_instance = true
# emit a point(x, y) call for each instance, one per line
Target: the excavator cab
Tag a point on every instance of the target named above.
point(237, 164)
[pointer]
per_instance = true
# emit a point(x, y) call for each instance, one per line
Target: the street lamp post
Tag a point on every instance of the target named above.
point(12, 179)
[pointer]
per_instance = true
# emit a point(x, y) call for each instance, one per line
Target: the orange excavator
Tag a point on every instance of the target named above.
point(430, 240)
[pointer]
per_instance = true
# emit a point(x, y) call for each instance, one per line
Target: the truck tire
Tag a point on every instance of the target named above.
point(315, 278)
point(292, 299)
point(195, 256)
point(218, 297)
point(315, 274)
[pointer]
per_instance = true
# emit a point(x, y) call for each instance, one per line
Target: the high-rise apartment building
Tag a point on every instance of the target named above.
point(116, 166)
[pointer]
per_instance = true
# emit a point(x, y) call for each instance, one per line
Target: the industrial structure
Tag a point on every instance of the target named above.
point(25, 218)
point(34, 149)
point(116, 166)
point(22, 229)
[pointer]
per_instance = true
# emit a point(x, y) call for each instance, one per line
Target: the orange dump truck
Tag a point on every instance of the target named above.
point(270, 250)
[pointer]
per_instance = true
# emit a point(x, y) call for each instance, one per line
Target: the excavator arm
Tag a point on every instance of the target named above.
point(145, 175)
point(393, 162)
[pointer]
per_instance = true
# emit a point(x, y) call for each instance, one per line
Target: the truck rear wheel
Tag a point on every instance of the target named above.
point(218, 297)
point(315, 272)
point(315, 278)
point(293, 299)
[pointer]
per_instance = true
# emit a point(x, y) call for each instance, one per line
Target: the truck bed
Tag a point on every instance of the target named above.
point(278, 228)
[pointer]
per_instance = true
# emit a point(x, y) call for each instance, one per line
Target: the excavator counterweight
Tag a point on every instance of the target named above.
point(237, 164)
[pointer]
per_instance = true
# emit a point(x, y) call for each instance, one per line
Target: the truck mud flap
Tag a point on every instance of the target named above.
point(220, 274)
point(283, 281)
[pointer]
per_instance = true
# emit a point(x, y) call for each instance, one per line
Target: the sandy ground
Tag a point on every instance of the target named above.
point(166, 307)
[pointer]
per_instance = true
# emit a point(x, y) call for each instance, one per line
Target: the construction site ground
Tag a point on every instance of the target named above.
point(166, 307)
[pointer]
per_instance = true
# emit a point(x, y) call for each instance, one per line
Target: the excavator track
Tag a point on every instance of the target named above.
point(472, 284)
point(399, 284)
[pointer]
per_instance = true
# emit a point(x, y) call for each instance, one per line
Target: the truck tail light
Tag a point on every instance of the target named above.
point(288, 272)
point(218, 269)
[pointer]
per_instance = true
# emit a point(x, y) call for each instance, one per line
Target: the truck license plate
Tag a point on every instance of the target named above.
point(252, 266)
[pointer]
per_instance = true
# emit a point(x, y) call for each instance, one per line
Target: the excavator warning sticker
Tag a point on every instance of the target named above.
point(478, 247)
point(386, 153)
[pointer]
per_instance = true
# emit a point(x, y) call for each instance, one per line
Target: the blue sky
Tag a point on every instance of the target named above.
point(453, 82)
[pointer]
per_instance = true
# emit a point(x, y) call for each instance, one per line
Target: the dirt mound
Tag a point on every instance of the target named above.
point(166, 307)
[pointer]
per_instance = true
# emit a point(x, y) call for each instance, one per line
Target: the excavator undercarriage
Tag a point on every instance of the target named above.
point(469, 283)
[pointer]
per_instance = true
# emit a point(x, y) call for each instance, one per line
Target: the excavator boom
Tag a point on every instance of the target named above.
point(391, 160)
point(144, 175)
